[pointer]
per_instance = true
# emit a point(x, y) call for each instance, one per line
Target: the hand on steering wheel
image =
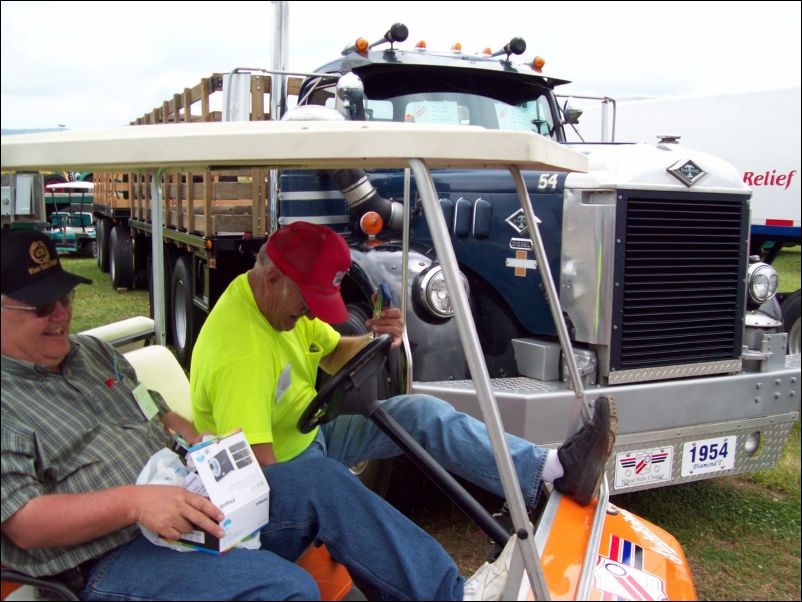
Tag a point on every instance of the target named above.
point(352, 390)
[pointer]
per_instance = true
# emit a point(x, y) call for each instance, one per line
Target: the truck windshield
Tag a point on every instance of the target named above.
point(459, 108)
point(455, 108)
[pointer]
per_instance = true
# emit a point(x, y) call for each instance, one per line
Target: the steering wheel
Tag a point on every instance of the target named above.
point(352, 390)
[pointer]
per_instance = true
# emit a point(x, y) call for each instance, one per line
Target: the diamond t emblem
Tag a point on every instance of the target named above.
point(687, 172)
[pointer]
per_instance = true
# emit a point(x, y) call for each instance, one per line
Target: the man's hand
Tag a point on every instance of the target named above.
point(171, 511)
point(388, 322)
point(65, 519)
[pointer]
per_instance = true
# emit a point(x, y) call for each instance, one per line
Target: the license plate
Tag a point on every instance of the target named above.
point(708, 455)
point(643, 467)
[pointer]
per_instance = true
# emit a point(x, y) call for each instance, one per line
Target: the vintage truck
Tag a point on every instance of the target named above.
point(665, 309)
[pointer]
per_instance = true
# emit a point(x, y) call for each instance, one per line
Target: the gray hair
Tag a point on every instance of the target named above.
point(263, 261)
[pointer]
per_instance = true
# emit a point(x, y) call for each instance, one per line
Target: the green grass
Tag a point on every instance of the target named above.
point(787, 266)
point(99, 303)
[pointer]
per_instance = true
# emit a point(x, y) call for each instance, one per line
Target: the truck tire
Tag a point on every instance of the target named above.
point(182, 318)
point(791, 322)
point(89, 248)
point(121, 266)
point(374, 474)
point(102, 232)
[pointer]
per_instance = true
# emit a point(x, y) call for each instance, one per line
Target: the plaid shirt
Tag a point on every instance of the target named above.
point(74, 432)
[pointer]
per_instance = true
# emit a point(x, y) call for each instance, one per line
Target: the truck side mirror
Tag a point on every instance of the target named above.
point(350, 99)
point(571, 113)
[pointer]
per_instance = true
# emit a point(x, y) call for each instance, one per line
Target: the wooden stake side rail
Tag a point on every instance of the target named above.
point(223, 202)
point(179, 108)
point(204, 203)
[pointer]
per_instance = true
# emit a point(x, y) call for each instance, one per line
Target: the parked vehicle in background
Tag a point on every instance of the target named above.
point(70, 222)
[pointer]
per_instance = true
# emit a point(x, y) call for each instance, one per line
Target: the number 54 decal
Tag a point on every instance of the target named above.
point(547, 181)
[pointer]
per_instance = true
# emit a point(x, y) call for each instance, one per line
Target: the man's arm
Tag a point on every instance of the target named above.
point(182, 426)
point(74, 518)
point(264, 454)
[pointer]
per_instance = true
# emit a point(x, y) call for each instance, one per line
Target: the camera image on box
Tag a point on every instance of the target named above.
point(222, 464)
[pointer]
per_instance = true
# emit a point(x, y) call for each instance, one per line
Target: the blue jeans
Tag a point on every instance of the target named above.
point(310, 500)
point(458, 442)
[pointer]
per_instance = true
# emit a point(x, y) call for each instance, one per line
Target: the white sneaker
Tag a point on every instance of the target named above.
point(489, 581)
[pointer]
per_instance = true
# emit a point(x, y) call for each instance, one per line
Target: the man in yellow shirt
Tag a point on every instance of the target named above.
point(255, 363)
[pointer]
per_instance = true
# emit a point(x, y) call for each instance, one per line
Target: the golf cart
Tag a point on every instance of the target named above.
point(69, 215)
point(574, 552)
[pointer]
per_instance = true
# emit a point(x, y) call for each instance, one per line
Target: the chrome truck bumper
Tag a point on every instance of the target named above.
point(656, 421)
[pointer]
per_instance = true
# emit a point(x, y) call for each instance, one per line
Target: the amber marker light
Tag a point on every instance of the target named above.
point(456, 47)
point(371, 223)
point(538, 63)
point(361, 45)
point(421, 45)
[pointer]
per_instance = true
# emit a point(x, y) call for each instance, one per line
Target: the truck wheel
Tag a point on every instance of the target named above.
point(374, 474)
point(121, 266)
point(103, 231)
point(791, 309)
point(183, 314)
point(89, 248)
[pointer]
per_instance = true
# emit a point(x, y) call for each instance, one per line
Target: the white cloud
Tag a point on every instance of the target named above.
point(102, 64)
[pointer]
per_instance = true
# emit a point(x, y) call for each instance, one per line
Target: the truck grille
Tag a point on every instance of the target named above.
point(679, 290)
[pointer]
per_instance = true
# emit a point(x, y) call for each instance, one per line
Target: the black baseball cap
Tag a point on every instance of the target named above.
point(31, 269)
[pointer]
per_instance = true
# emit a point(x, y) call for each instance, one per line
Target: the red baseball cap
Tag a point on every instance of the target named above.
point(315, 258)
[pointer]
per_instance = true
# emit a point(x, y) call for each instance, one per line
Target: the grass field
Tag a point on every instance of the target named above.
point(741, 535)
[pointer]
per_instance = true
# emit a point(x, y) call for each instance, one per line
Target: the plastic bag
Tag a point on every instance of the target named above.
point(166, 468)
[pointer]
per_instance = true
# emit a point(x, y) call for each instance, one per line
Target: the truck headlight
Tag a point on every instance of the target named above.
point(433, 294)
point(763, 282)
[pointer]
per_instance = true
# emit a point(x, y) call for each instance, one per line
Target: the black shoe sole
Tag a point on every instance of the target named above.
point(587, 497)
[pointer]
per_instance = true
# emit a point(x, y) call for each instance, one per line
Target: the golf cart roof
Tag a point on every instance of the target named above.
point(71, 186)
point(298, 144)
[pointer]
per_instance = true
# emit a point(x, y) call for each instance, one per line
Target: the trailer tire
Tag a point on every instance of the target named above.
point(103, 231)
point(182, 318)
point(791, 310)
point(121, 266)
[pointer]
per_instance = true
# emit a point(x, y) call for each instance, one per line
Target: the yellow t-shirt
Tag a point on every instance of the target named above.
point(247, 375)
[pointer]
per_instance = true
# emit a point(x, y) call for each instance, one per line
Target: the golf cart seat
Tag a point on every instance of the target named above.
point(157, 369)
point(126, 334)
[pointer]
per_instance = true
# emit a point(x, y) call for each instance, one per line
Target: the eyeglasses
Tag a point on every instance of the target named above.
point(43, 311)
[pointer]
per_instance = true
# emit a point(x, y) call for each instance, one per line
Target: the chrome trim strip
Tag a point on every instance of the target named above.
point(620, 377)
